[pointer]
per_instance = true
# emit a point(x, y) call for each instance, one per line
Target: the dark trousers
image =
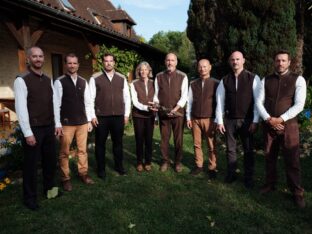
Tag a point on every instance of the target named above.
point(115, 126)
point(288, 141)
point(176, 124)
point(143, 130)
point(239, 128)
point(44, 150)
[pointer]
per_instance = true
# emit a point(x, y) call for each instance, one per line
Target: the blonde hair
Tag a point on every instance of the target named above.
point(138, 68)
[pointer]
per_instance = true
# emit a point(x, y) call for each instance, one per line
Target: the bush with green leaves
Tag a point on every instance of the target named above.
point(13, 155)
point(305, 116)
point(305, 121)
point(126, 60)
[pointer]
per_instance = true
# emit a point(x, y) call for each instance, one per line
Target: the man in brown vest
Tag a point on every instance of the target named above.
point(34, 99)
point(280, 99)
point(235, 102)
point(112, 102)
point(171, 94)
point(200, 116)
point(73, 115)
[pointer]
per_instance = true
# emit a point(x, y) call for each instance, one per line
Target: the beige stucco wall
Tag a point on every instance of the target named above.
point(8, 62)
point(58, 43)
point(50, 42)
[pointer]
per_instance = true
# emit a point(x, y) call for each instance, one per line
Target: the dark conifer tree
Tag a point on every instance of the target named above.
point(256, 27)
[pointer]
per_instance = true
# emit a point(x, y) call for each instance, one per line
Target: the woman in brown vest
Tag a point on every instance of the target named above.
point(142, 92)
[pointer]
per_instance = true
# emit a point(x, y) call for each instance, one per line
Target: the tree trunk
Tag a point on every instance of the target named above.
point(297, 65)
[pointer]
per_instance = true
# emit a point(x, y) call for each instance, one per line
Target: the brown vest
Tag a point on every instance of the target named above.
point(204, 101)
point(39, 99)
point(143, 97)
point(73, 111)
point(109, 95)
point(279, 93)
point(169, 92)
point(239, 103)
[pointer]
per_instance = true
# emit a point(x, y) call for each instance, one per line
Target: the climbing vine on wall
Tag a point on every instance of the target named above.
point(126, 60)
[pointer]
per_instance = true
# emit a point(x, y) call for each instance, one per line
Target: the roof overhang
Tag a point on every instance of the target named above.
point(57, 16)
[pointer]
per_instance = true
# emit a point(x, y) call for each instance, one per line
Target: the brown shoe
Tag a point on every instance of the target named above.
point(266, 189)
point(148, 167)
point(67, 186)
point(178, 168)
point(299, 201)
point(164, 167)
point(139, 168)
point(86, 179)
point(196, 171)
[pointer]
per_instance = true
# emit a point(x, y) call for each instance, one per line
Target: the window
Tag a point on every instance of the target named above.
point(97, 18)
point(129, 32)
point(57, 65)
point(67, 5)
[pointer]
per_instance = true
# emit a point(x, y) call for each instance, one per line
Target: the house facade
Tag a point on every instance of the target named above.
point(60, 27)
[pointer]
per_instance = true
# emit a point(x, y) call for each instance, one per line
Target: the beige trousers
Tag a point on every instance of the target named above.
point(204, 128)
point(80, 132)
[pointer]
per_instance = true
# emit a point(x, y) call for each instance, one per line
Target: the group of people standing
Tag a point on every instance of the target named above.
point(71, 107)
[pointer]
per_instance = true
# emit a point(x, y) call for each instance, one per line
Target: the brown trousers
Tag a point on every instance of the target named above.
point(80, 132)
point(288, 140)
point(204, 128)
point(176, 123)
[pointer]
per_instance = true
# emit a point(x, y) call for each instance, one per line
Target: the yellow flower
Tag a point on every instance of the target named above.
point(7, 180)
point(2, 186)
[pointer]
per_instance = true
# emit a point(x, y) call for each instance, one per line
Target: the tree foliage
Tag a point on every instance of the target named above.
point(307, 34)
point(177, 42)
point(258, 28)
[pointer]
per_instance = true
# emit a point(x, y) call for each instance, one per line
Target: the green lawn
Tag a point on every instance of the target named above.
point(162, 202)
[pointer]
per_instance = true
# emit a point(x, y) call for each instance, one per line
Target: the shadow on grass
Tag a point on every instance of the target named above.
point(155, 202)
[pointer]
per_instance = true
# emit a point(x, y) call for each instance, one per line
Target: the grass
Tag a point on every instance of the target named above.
point(163, 203)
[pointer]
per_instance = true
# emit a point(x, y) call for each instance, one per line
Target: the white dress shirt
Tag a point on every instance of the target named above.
point(134, 97)
point(220, 96)
point(293, 111)
point(183, 99)
point(125, 92)
point(189, 104)
point(58, 88)
point(21, 93)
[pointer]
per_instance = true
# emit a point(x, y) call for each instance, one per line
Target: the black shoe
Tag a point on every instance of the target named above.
point(102, 175)
point(120, 171)
point(196, 171)
point(230, 178)
point(299, 201)
point(267, 188)
point(212, 174)
point(31, 205)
